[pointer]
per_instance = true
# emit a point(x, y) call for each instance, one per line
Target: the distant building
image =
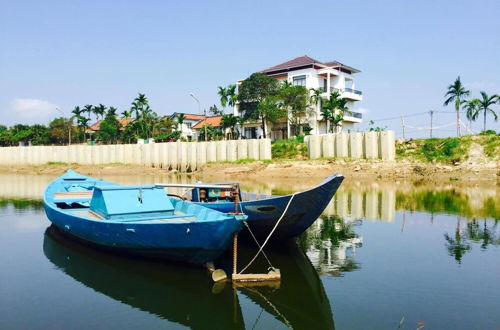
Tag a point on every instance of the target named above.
point(192, 124)
point(97, 125)
point(310, 73)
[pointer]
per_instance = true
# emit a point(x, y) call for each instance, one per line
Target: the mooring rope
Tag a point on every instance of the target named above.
point(270, 234)
point(258, 244)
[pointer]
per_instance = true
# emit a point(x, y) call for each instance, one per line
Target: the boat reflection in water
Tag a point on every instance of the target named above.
point(187, 296)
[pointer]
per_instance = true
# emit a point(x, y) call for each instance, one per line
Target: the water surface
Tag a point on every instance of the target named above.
point(382, 256)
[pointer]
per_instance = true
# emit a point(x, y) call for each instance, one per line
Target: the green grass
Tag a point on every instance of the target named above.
point(492, 145)
point(293, 148)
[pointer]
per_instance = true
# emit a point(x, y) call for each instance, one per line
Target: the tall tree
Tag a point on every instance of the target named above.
point(295, 102)
point(99, 111)
point(232, 97)
point(484, 105)
point(456, 93)
point(229, 121)
point(256, 89)
point(109, 130)
point(222, 92)
point(333, 110)
point(88, 108)
point(214, 111)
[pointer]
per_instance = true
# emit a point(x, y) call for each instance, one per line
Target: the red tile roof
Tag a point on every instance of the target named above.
point(123, 122)
point(188, 116)
point(209, 121)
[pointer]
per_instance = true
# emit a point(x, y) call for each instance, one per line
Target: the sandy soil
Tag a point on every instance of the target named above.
point(478, 173)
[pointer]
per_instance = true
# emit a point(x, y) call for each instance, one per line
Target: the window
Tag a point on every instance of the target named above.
point(188, 125)
point(299, 81)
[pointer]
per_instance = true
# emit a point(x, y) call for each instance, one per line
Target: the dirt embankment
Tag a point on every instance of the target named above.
point(480, 173)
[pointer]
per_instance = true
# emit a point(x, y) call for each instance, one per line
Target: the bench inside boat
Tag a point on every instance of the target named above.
point(145, 203)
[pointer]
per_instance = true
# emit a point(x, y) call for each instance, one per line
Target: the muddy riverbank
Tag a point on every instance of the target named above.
point(486, 173)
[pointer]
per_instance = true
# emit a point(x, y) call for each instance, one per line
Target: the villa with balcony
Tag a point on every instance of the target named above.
point(310, 73)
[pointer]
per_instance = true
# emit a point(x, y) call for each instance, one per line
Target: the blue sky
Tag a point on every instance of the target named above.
point(67, 53)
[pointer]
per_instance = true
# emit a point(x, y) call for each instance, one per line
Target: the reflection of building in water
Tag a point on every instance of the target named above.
point(368, 204)
point(331, 244)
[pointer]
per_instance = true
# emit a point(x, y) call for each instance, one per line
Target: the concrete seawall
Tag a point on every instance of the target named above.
point(368, 145)
point(182, 156)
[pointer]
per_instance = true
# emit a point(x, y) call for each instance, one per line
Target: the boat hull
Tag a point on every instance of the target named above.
point(303, 210)
point(179, 242)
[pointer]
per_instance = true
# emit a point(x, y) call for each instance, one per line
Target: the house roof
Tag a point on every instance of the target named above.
point(188, 116)
point(305, 61)
point(123, 122)
point(214, 121)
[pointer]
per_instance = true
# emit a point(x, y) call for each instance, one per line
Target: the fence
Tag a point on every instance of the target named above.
point(182, 156)
point(369, 145)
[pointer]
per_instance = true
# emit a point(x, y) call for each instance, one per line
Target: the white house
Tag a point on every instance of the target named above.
point(310, 73)
point(187, 128)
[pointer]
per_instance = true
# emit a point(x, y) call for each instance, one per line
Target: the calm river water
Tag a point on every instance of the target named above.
point(383, 256)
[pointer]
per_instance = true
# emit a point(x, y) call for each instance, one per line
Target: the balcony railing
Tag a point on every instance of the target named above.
point(350, 90)
point(340, 90)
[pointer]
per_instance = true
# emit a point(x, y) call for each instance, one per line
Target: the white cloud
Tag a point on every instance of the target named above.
point(32, 111)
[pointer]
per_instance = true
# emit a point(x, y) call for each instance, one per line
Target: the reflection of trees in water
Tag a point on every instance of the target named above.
point(447, 201)
point(461, 241)
point(331, 244)
point(21, 203)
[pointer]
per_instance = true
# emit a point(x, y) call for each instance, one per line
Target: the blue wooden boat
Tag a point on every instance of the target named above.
point(138, 219)
point(264, 211)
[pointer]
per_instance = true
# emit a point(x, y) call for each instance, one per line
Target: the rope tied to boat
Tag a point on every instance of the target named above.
point(269, 236)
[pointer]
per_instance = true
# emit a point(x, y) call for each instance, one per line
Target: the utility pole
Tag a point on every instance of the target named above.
point(199, 110)
point(432, 113)
point(403, 127)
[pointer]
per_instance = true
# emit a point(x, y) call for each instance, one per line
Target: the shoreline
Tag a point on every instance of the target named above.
point(486, 173)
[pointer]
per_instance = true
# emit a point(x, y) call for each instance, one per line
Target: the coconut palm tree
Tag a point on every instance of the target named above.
point(456, 93)
point(180, 120)
point(484, 105)
point(471, 110)
point(232, 97)
point(222, 92)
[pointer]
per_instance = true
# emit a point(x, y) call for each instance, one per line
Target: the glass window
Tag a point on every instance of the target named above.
point(188, 125)
point(299, 81)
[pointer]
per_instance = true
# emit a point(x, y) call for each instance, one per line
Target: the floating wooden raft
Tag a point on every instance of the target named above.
point(272, 276)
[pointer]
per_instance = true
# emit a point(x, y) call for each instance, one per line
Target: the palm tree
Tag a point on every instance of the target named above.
point(126, 113)
point(471, 110)
point(232, 97)
point(77, 112)
point(99, 110)
point(222, 92)
point(229, 121)
point(484, 104)
point(241, 120)
point(180, 119)
point(456, 93)
point(88, 108)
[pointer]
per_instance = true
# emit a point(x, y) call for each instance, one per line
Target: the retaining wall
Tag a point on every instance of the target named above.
point(182, 156)
point(368, 145)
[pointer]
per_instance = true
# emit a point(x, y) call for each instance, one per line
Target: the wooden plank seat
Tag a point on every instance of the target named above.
point(73, 195)
point(89, 215)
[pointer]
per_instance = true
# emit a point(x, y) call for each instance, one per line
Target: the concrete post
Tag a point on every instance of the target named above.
point(221, 151)
point(231, 150)
point(172, 155)
point(265, 149)
point(211, 152)
point(192, 150)
point(388, 205)
point(164, 149)
point(357, 204)
point(182, 156)
point(328, 145)
point(314, 147)
point(371, 145)
point(356, 145)
point(371, 212)
point(342, 145)
point(387, 145)
point(201, 157)
point(242, 149)
point(253, 149)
